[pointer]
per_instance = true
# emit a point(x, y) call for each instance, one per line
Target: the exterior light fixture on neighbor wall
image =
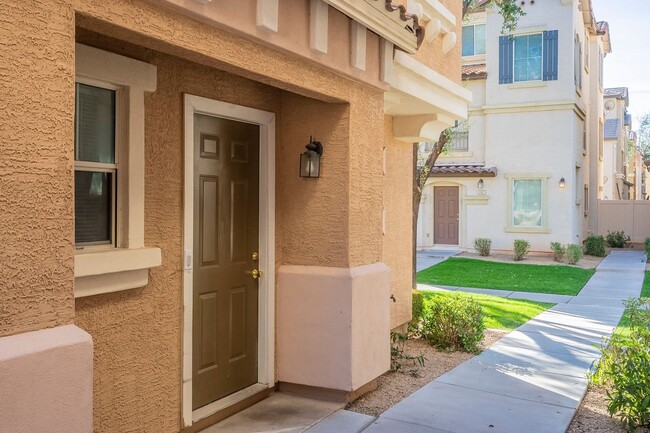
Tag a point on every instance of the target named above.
point(562, 183)
point(480, 184)
point(310, 159)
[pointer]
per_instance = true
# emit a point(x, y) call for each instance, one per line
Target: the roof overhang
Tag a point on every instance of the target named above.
point(459, 170)
point(422, 102)
point(389, 20)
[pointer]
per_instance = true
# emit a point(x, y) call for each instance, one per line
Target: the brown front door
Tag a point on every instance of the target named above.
point(445, 204)
point(226, 238)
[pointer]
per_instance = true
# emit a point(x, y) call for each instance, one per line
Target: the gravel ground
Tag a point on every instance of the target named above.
point(393, 387)
point(592, 416)
point(587, 262)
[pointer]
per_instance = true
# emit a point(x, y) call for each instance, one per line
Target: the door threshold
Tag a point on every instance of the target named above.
point(225, 402)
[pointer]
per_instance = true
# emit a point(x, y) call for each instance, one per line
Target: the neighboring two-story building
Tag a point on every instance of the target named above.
point(528, 162)
point(171, 250)
point(619, 144)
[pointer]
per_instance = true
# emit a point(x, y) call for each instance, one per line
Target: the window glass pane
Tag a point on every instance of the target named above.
point(468, 40)
point(535, 45)
point(528, 58)
point(94, 124)
point(92, 206)
point(479, 39)
point(527, 203)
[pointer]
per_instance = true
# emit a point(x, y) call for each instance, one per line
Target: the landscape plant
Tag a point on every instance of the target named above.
point(482, 245)
point(625, 367)
point(647, 247)
point(521, 248)
point(454, 322)
point(398, 356)
point(559, 251)
point(595, 246)
point(617, 239)
point(417, 311)
point(573, 254)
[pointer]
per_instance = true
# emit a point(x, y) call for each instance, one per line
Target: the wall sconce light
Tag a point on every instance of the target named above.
point(562, 183)
point(480, 184)
point(310, 159)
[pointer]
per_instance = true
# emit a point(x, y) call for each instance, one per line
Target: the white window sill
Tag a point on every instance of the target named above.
point(527, 84)
point(527, 230)
point(108, 271)
point(458, 154)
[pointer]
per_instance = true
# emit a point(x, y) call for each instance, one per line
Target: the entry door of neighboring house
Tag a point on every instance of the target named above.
point(226, 240)
point(446, 215)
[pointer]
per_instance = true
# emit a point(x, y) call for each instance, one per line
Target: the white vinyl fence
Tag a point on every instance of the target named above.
point(630, 216)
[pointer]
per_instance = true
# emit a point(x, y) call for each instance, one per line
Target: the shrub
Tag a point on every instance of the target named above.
point(521, 249)
point(418, 311)
point(625, 368)
point(398, 355)
point(482, 245)
point(454, 322)
point(647, 247)
point(617, 239)
point(595, 246)
point(573, 254)
point(558, 251)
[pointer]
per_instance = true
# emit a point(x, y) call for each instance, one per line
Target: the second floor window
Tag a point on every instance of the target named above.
point(459, 141)
point(530, 57)
point(474, 40)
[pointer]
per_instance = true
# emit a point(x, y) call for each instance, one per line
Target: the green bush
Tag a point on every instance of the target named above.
point(482, 245)
point(521, 249)
point(617, 239)
point(595, 246)
point(558, 251)
point(418, 311)
point(454, 322)
point(647, 247)
point(573, 253)
point(625, 368)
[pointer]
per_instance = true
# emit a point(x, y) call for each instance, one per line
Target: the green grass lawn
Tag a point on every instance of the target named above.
point(461, 272)
point(645, 292)
point(500, 313)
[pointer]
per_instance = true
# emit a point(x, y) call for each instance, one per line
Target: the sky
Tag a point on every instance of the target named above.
point(628, 65)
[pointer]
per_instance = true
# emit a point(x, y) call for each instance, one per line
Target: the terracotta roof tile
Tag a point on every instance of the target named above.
point(474, 72)
point(454, 170)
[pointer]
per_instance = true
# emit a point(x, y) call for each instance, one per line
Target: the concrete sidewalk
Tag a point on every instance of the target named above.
point(532, 380)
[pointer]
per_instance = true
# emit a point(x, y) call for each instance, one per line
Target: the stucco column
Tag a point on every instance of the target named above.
point(46, 374)
point(333, 313)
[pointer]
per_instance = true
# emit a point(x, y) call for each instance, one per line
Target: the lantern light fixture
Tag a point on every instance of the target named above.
point(480, 184)
point(310, 159)
point(562, 183)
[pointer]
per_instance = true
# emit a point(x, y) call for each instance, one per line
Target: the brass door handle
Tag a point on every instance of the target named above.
point(256, 273)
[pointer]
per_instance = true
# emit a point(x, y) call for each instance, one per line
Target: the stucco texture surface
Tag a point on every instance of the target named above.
point(397, 248)
point(36, 211)
point(137, 333)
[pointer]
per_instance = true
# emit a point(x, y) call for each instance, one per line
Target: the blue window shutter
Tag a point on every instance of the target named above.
point(550, 55)
point(505, 59)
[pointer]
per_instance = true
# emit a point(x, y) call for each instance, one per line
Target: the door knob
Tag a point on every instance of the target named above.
point(256, 273)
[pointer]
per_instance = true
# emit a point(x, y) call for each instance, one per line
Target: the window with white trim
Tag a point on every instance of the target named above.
point(96, 164)
point(473, 40)
point(577, 67)
point(527, 203)
point(528, 57)
point(109, 163)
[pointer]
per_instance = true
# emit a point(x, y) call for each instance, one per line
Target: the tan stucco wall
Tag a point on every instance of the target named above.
point(36, 207)
point(137, 333)
point(431, 53)
point(397, 248)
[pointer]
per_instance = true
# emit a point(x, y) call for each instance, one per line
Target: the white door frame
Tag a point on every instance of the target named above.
point(266, 305)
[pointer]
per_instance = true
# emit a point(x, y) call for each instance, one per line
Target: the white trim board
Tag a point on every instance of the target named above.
point(266, 311)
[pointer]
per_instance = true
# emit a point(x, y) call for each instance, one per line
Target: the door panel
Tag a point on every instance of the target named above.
point(226, 233)
point(446, 215)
